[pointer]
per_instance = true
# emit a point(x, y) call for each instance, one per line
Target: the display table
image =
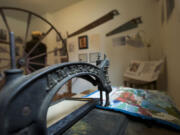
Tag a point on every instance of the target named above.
point(137, 126)
point(140, 84)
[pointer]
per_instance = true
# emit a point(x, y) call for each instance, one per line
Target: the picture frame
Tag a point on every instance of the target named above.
point(17, 51)
point(93, 57)
point(83, 57)
point(58, 39)
point(3, 34)
point(71, 47)
point(83, 42)
point(56, 51)
point(170, 5)
point(62, 51)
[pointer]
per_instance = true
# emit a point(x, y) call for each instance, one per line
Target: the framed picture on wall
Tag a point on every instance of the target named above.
point(56, 51)
point(83, 42)
point(58, 38)
point(17, 51)
point(3, 35)
point(83, 57)
point(93, 57)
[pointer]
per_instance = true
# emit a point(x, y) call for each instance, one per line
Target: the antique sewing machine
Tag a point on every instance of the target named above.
point(25, 99)
point(26, 106)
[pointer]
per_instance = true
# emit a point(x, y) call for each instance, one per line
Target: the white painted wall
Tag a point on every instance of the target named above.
point(78, 15)
point(16, 26)
point(170, 32)
point(50, 40)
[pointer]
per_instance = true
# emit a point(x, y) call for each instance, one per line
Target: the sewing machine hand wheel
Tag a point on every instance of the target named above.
point(26, 61)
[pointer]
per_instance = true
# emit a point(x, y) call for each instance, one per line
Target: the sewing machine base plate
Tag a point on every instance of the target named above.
point(100, 122)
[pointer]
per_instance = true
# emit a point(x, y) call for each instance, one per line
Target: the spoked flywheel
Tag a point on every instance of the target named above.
point(31, 54)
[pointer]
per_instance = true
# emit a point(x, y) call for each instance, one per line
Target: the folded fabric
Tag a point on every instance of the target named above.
point(147, 104)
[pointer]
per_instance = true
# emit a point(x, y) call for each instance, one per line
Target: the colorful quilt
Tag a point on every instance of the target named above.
point(147, 104)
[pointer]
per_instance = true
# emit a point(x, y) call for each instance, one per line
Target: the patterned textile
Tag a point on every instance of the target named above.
point(147, 104)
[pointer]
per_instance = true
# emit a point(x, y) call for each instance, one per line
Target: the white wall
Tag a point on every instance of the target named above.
point(16, 26)
point(78, 15)
point(50, 40)
point(170, 32)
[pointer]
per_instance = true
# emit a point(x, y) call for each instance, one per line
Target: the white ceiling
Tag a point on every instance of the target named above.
point(38, 6)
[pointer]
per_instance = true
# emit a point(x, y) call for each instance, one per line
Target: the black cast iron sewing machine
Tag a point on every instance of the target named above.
point(25, 99)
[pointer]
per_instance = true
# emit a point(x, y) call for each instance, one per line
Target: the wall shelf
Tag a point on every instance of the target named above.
point(4, 42)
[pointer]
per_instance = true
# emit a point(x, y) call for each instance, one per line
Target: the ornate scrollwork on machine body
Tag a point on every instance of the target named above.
point(34, 93)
